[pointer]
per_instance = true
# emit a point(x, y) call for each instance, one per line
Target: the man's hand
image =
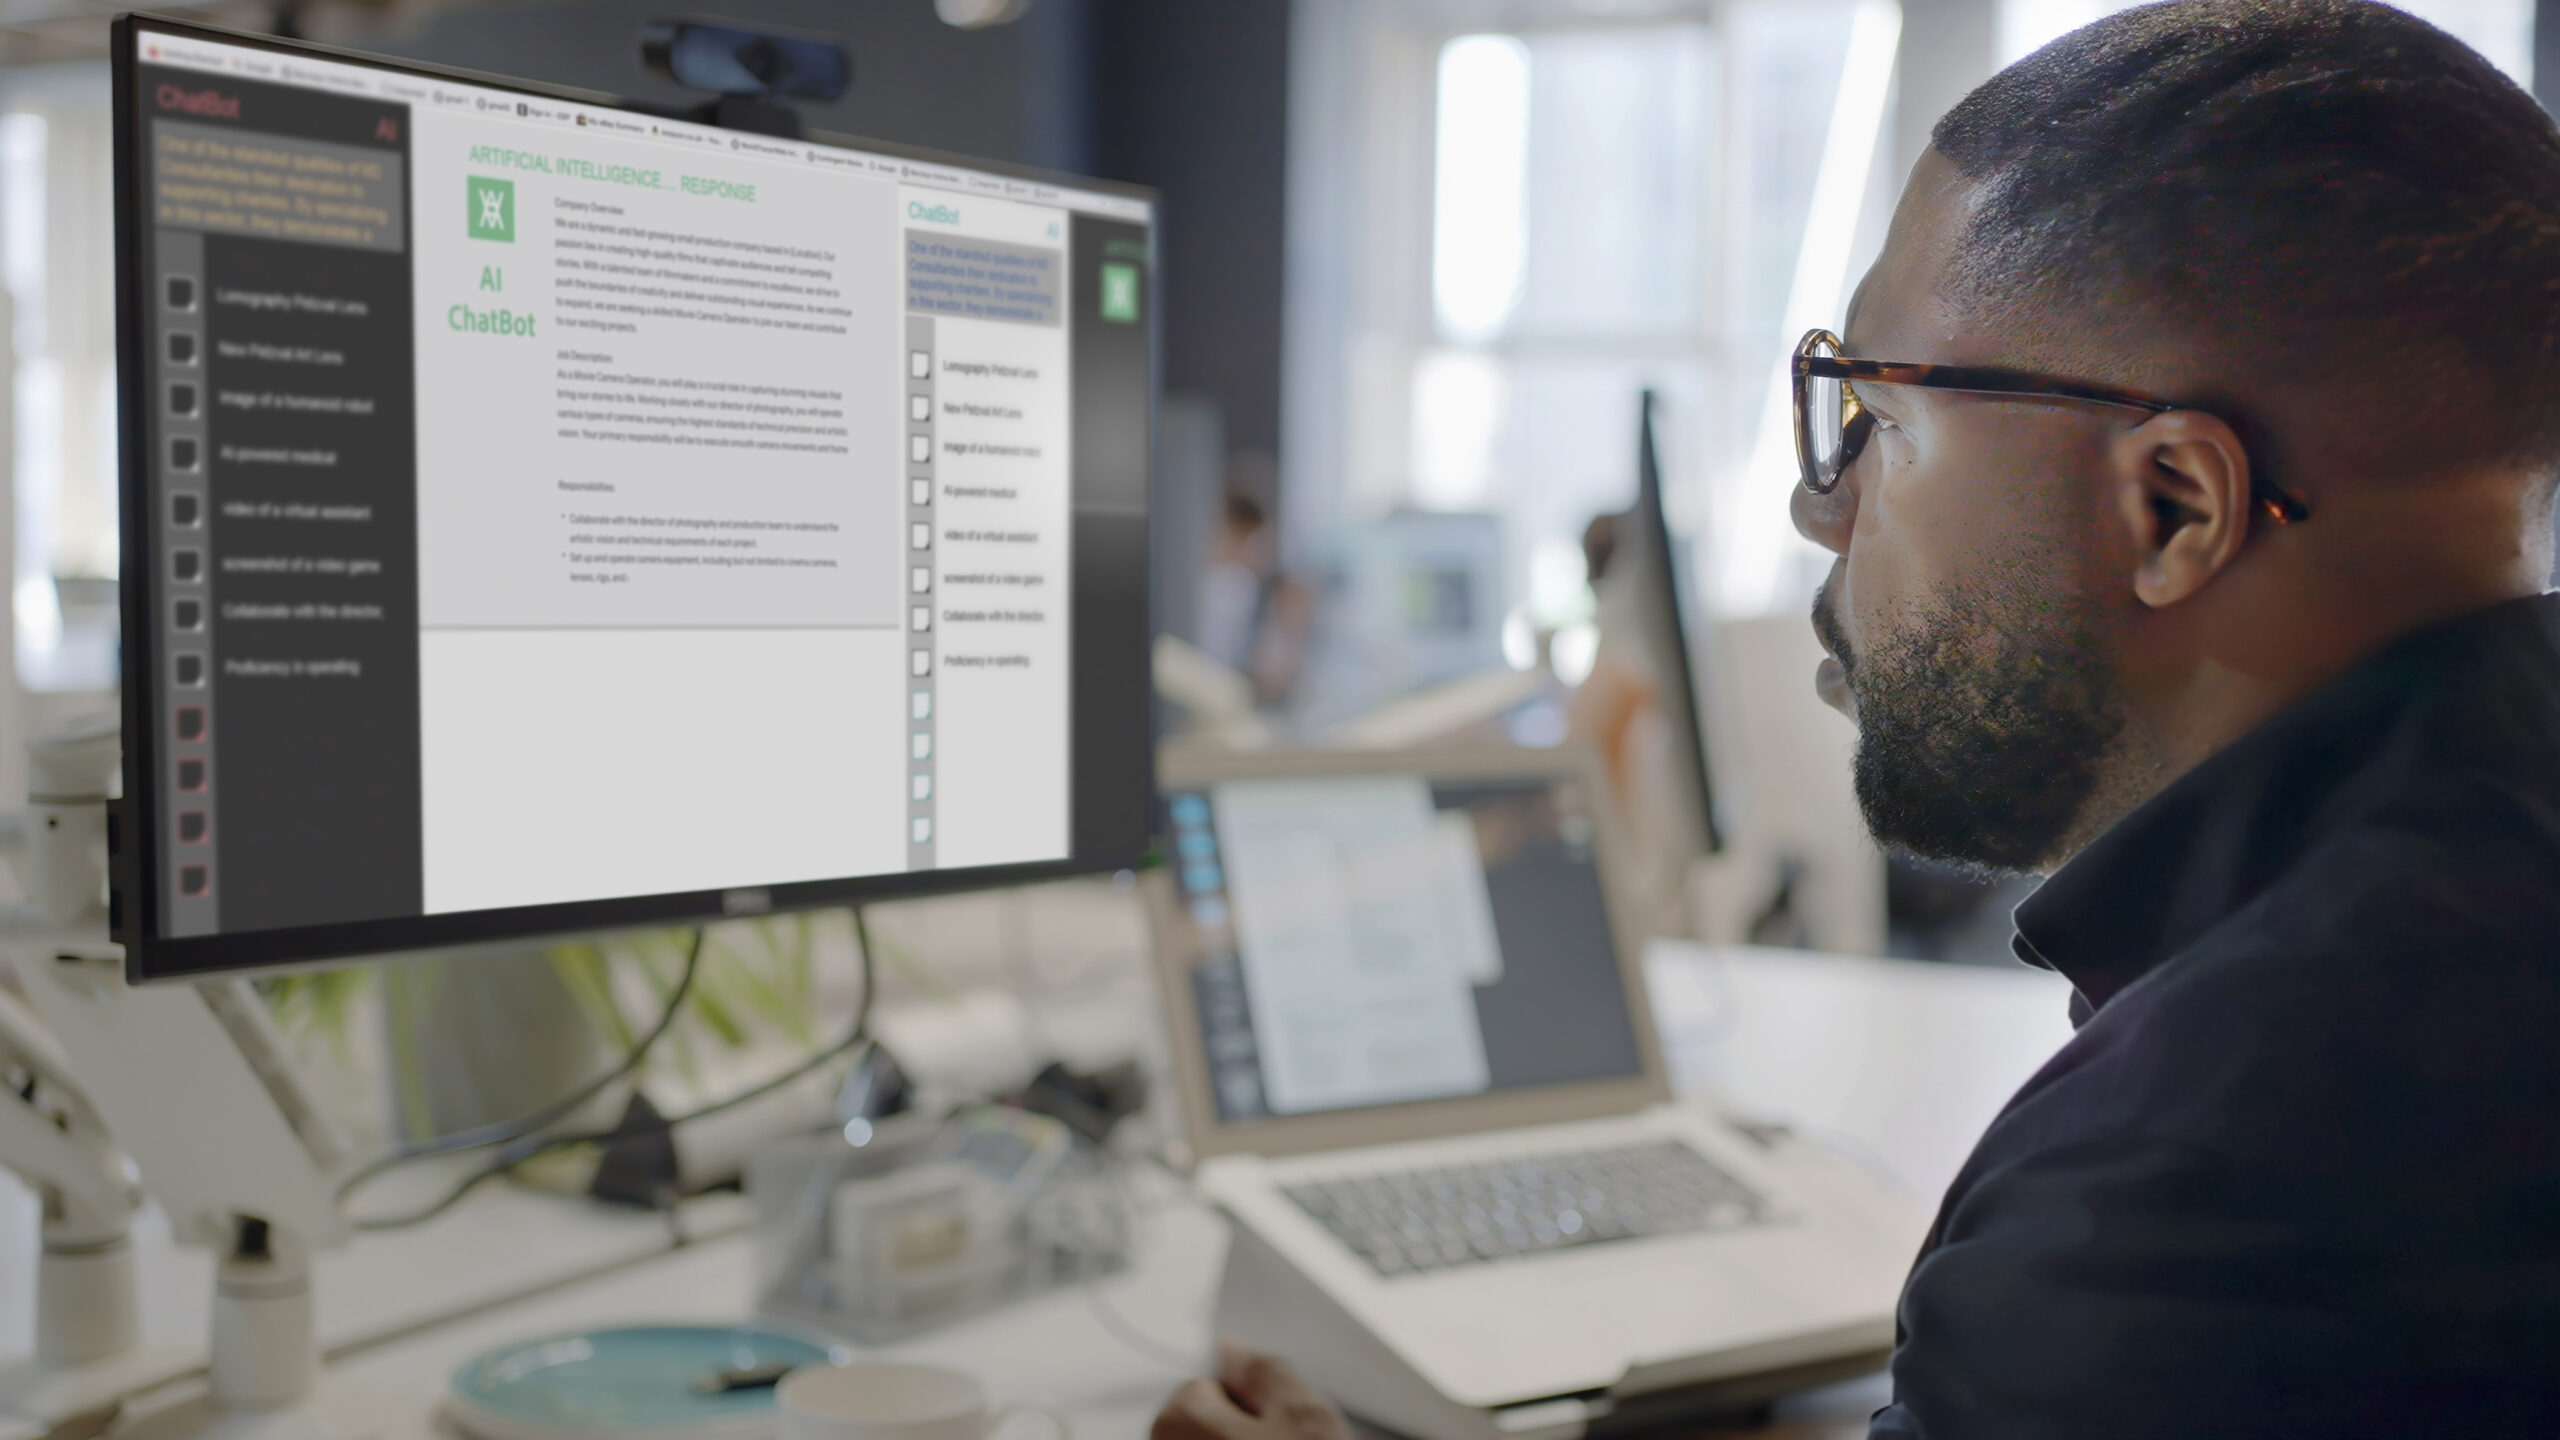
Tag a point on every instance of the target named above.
point(1255, 1397)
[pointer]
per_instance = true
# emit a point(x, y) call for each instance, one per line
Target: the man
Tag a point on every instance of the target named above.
point(2219, 598)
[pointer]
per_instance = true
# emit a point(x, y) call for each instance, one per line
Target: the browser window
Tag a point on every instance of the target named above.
point(552, 503)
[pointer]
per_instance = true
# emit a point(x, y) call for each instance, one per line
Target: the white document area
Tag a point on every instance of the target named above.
point(1360, 976)
point(1003, 515)
point(1466, 899)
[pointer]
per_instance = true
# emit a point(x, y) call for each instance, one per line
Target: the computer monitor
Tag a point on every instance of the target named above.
point(1668, 621)
point(1425, 595)
point(543, 515)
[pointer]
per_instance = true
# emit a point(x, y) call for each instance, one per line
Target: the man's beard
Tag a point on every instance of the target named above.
point(1982, 730)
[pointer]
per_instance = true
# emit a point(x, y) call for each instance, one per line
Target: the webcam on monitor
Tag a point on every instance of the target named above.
point(752, 72)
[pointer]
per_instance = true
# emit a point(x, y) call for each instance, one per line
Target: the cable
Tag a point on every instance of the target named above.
point(500, 1132)
point(1108, 1312)
point(528, 1147)
point(1120, 1168)
point(870, 974)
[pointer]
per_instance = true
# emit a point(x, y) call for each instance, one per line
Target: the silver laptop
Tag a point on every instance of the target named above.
point(1418, 1072)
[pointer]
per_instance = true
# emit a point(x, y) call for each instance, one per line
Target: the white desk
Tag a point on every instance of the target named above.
point(1901, 1063)
point(499, 1244)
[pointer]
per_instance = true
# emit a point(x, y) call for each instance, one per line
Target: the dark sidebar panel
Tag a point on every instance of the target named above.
point(1113, 429)
point(283, 488)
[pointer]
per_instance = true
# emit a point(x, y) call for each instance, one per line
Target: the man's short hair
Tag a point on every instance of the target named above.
point(2331, 189)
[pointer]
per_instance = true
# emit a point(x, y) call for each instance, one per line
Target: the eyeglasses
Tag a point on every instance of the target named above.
point(1832, 426)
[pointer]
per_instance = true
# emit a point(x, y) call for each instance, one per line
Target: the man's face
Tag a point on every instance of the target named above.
point(1970, 637)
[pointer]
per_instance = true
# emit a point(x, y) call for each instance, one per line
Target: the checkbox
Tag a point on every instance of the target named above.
point(919, 492)
point(920, 664)
point(919, 407)
point(920, 745)
point(920, 536)
point(182, 348)
point(919, 580)
point(919, 364)
point(194, 881)
point(920, 705)
point(186, 565)
point(920, 448)
point(185, 509)
point(920, 788)
point(920, 618)
point(921, 830)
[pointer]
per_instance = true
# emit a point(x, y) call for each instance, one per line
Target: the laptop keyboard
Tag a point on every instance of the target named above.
point(1403, 1221)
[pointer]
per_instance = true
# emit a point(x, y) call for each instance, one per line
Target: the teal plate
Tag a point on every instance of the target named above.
point(614, 1384)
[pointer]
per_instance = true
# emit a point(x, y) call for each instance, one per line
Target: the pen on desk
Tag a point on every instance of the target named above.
point(752, 1377)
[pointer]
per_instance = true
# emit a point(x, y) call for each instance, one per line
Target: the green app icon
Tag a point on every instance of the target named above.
point(493, 209)
point(1120, 293)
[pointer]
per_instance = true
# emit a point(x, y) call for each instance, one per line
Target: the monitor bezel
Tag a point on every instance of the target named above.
point(1103, 608)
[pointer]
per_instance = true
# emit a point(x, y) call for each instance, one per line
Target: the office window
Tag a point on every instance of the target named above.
point(55, 215)
point(1501, 236)
point(2502, 30)
point(1567, 269)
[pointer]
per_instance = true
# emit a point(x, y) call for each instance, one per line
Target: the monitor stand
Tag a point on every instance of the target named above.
point(195, 1084)
point(229, 1157)
point(88, 1352)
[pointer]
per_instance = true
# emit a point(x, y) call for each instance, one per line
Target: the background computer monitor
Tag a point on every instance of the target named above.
point(543, 515)
point(1668, 627)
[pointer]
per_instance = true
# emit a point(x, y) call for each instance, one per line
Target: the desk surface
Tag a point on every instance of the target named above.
point(1898, 1065)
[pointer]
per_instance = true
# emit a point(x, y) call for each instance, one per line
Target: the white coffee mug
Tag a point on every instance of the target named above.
point(892, 1402)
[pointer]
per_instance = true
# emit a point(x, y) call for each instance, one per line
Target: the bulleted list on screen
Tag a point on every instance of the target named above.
point(986, 282)
point(284, 487)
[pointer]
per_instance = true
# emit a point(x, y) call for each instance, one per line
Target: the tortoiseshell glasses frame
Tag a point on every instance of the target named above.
point(1832, 426)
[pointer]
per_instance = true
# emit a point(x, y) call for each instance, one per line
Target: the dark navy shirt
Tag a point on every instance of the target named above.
point(2298, 1172)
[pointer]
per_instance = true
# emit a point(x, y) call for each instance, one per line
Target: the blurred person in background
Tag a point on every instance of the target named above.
point(1254, 619)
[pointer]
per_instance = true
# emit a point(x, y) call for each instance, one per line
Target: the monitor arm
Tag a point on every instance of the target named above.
point(52, 1138)
point(198, 1088)
point(88, 1314)
point(61, 841)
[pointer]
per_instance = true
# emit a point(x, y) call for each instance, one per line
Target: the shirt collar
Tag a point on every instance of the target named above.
point(2225, 831)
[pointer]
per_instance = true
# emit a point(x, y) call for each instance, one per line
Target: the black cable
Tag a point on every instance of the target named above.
point(870, 975)
point(501, 1132)
point(528, 1147)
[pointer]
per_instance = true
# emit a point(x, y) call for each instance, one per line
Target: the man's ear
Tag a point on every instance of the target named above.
point(2181, 483)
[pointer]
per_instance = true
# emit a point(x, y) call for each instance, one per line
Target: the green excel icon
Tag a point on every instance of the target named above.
point(493, 209)
point(1120, 293)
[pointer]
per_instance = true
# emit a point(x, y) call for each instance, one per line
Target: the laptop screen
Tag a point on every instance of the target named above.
point(1367, 940)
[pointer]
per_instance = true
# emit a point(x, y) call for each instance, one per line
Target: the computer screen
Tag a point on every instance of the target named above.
point(1379, 939)
point(542, 514)
point(1669, 619)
